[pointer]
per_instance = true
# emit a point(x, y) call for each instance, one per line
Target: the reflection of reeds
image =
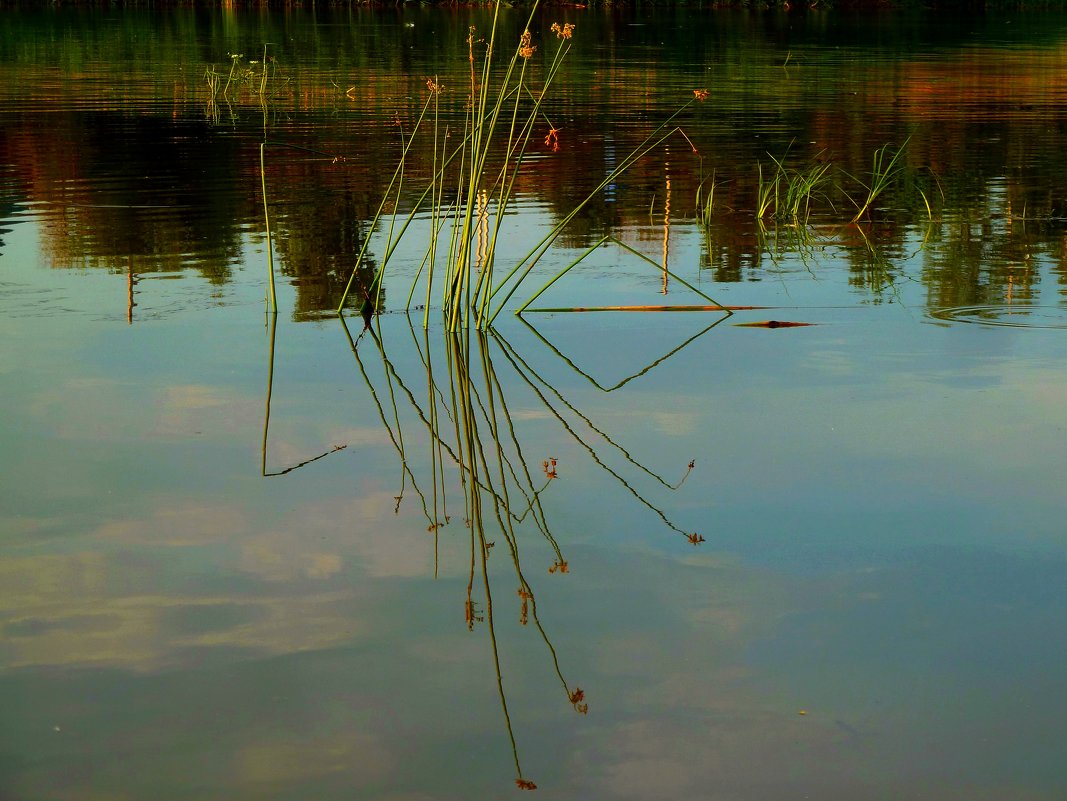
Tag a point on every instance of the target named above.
point(272, 327)
point(778, 241)
point(873, 268)
point(648, 367)
point(273, 323)
point(470, 428)
point(394, 435)
point(528, 375)
point(471, 433)
point(131, 282)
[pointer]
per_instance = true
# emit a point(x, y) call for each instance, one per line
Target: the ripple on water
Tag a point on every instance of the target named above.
point(1009, 315)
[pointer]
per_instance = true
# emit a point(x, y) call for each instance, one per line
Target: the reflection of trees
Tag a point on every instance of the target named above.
point(318, 242)
point(123, 192)
point(157, 192)
point(973, 265)
point(148, 194)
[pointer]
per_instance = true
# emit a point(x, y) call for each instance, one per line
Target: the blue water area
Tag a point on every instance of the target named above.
point(810, 548)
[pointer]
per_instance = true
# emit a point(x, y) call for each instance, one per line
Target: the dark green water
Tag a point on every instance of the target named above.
point(241, 560)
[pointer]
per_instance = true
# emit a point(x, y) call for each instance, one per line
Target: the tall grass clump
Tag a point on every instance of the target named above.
point(502, 108)
point(788, 193)
point(477, 162)
point(254, 76)
point(885, 170)
point(705, 198)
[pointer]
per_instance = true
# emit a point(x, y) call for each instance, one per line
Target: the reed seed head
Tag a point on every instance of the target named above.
point(526, 45)
point(565, 31)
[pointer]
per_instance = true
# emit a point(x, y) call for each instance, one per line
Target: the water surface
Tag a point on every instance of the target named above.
point(241, 556)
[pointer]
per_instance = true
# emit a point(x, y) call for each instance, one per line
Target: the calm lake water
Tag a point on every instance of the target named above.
point(617, 555)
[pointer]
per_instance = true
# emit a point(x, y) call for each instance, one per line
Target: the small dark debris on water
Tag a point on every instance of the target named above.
point(773, 324)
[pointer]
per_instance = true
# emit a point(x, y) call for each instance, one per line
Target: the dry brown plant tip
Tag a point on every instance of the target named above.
point(526, 45)
point(565, 31)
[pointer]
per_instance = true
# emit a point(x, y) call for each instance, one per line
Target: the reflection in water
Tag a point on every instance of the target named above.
point(643, 370)
point(272, 329)
point(1011, 315)
point(131, 281)
point(489, 480)
point(164, 186)
point(529, 376)
point(115, 191)
point(154, 593)
point(469, 432)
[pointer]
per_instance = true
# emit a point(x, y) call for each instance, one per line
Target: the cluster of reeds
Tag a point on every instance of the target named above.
point(475, 165)
point(788, 194)
point(256, 76)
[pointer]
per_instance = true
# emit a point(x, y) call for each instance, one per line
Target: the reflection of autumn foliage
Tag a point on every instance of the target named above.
point(981, 83)
point(317, 242)
point(162, 191)
point(118, 191)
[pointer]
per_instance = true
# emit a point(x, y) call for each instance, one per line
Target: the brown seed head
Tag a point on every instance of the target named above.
point(565, 31)
point(526, 45)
